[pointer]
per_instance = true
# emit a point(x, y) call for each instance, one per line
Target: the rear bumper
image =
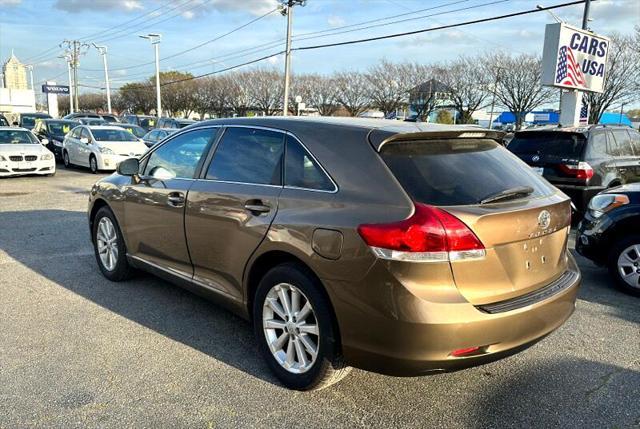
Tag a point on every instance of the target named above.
point(414, 336)
point(580, 195)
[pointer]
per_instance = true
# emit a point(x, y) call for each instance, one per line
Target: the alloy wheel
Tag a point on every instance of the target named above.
point(629, 265)
point(291, 328)
point(107, 242)
point(93, 165)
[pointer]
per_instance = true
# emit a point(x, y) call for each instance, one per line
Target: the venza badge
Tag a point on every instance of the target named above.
point(544, 219)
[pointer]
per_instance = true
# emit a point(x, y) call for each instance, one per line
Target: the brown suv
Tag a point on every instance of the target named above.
point(400, 248)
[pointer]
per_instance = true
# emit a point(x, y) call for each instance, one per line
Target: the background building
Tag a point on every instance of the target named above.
point(15, 74)
point(15, 95)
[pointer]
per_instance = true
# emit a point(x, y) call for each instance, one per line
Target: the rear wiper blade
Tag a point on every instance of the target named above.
point(507, 194)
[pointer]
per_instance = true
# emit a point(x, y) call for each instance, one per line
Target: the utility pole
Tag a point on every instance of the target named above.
point(74, 48)
point(67, 58)
point(585, 15)
point(287, 10)
point(493, 100)
point(154, 38)
point(30, 68)
point(103, 52)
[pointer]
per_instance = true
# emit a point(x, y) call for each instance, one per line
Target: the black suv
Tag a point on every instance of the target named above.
point(144, 121)
point(609, 234)
point(581, 161)
point(53, 131)
point(174, 123)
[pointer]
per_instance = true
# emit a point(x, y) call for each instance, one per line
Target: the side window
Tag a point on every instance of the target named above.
point(635, 141)
point(612, 146)
point(302, 171)
point(624, 142)
point(76, 132)
point(597, 147)
point(179, 157)
point(161, 122)
point(248, 155)
point(85, 133)
point(153, 136)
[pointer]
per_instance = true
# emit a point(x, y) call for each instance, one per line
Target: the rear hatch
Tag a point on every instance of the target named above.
point(521, 221)
point(556, 155)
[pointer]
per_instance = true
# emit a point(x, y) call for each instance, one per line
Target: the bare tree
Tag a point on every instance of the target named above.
point(622, 82)
point(319, 92)
point(235, 84)
point(390, 85)
point(265, 88)
point(467, 82)
point(518, 88)
point(353, 91)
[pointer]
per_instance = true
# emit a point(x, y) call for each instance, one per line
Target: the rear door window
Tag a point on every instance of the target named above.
point(623, 142)
point(302, 171)
point(597, 147)
point(248, 155)
point(635, 141)
point(549, 144)
point(458, 172)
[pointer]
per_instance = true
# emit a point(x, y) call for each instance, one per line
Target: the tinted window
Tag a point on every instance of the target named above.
point(623, 142)
point(301, 170)
point(548, 144)
point(115, 135)
point(27, 121)
point(597, 147)
point(181, 155)
point(458, 172)
point(17, 137)
point(249, 156)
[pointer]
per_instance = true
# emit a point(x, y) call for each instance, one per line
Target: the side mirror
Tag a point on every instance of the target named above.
point(84, 140)
point(129, 167)
point(44, 141)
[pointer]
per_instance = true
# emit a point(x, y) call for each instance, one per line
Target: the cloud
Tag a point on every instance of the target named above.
point(188, 14)
point(75, 6)
point(336, 21)
point(254, 7)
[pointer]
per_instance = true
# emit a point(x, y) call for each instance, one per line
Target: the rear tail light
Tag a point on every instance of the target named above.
point(581, 171)
point(429, 235)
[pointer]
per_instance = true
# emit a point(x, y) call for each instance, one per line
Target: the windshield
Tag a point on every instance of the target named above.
point(60, 128)
point(17, 137)
point(148, 122)
point(182, 124)
point(28, 121)
point(459, 172)
point(136, 131)
point(548, 144)
point(106, 135)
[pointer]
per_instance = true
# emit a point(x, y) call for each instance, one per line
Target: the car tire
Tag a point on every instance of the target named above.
point(311, 372)
point(65, 159)
point(624, 258)
point(93, 164)
point(106, 232)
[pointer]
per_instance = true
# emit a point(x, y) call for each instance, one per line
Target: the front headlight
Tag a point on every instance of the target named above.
point(2, 158)
point(603, 203)
point(46, 157)
point(106, 150)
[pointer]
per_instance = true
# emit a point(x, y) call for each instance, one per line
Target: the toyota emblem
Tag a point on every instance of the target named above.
point(535, 158)
point(544, 219)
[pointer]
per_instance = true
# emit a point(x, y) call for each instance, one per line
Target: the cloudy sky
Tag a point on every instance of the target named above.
point(35, 28)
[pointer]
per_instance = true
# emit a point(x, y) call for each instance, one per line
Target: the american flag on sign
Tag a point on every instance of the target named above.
point(569, 72)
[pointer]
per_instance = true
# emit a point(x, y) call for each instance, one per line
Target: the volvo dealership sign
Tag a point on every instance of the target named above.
point(574, 58)
point(55, 89)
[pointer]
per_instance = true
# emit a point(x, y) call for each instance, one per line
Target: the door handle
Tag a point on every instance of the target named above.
point(257, 207)
point(175, 199)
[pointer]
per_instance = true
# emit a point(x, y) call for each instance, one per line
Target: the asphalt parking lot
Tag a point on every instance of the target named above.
point(79, 351)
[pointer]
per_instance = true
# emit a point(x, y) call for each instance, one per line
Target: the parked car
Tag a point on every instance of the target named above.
point(133, 129)
point(609, 234)
point(21, 153)
point(51, 133)
point(174, 123)
point(92, 121)
point(395, 247)
point(581, 161)
point(3, 121)
point(156, 135)
point(144, 121)
point(78, 115)
point(28, 120)
point(108, 117)
point(100, 147)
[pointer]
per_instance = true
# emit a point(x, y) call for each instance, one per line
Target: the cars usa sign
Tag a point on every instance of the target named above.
point(574, 58)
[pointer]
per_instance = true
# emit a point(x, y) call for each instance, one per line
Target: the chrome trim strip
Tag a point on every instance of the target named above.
point(567, 279)
point(237, 183)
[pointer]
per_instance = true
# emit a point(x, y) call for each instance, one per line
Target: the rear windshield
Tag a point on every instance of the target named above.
point(554, 144)
point(104, 135)
point(458, 172)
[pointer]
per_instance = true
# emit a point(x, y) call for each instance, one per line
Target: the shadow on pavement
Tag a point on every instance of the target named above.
point(57, 246)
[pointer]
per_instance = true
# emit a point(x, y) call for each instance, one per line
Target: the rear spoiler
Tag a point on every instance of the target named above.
point(380, 137)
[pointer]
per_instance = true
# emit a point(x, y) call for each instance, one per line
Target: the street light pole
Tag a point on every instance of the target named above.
point(103, 52)
point(67, 58)
point(287, 10)
point(155, 41)
point(493, 100)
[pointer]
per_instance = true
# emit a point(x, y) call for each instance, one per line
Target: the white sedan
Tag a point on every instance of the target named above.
point(100, 147)
point(22, 153)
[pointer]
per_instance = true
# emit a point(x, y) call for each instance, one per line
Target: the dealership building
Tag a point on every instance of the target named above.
point(15, 94)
